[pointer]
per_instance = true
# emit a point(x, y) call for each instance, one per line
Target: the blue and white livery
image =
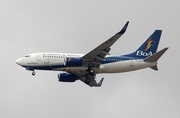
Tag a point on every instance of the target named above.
point(85, 67)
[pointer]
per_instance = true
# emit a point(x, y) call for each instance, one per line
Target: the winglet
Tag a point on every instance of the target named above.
point(124, 28)
point(100, 82)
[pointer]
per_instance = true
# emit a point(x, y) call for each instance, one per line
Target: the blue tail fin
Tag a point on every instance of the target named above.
point(149, 47)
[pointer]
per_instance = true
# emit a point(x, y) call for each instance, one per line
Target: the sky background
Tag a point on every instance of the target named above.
point(78, 26)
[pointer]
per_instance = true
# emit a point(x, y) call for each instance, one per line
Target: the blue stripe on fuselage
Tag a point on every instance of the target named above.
point(44, 67)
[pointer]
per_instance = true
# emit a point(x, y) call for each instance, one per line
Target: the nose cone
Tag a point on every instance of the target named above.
point(19, 62)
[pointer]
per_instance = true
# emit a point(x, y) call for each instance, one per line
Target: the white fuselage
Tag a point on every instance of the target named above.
point(58, 61)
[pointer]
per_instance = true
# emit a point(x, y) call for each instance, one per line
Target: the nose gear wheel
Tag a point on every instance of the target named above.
point(33, 73)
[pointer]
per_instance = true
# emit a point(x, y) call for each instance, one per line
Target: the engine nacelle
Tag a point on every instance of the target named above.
point(67, 77)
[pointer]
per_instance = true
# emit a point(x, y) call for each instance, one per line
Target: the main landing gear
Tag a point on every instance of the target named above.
point(90, 74)
point(90, 70)
point(87, 81)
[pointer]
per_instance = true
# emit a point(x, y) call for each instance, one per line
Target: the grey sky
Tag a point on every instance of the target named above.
point(78, 27)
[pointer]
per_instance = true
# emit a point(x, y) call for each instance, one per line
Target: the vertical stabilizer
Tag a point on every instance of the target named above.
point(149, 47)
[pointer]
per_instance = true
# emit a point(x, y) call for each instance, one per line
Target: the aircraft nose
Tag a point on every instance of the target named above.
point(18, 61)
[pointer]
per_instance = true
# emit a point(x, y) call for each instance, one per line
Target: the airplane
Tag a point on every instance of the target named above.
point(84, 67)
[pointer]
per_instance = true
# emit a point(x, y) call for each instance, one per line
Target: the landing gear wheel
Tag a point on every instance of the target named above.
point(87, 81)
point(90, 71)
point(33, 73)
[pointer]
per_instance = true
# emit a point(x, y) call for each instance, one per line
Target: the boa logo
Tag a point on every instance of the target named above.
point(149, 44)
point(142, 53)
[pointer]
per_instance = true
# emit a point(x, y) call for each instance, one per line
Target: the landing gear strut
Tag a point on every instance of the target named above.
point(31, 69)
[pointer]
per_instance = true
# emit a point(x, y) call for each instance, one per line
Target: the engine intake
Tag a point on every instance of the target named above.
point(67, 77)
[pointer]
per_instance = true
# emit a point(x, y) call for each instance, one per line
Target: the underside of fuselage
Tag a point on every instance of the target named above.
point(113, 67)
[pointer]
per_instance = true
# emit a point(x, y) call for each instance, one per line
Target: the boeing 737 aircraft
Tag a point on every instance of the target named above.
point(85, 67)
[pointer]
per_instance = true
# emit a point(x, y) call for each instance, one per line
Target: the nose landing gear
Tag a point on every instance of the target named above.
point(33, 73)
point(31, 69)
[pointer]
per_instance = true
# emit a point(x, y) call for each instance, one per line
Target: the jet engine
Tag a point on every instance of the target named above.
point(67, 77)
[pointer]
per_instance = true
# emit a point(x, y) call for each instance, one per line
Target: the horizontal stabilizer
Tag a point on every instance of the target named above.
point(155, 56)
point(154, 67)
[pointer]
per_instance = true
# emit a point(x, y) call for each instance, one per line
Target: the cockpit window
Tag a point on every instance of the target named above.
point(27, 56)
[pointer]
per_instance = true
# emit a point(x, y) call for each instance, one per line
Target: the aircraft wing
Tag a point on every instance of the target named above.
point(94, 57)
